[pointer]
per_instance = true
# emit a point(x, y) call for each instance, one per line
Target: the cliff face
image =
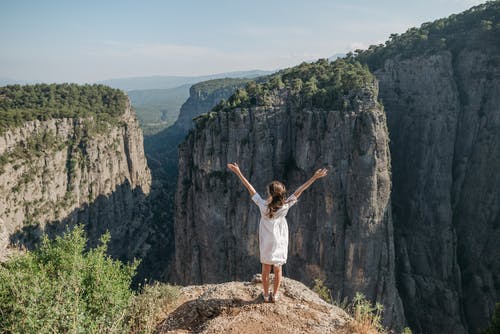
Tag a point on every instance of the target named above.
point(341, 229)
point(75, 170)
point(444, 121)
point(203, 97)
point(162, 154)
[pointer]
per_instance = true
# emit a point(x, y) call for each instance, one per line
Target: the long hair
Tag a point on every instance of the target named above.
point(277, 191)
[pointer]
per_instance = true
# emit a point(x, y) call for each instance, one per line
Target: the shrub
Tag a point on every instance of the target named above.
point(62, 288)
point(367, 319)
point(322, 290)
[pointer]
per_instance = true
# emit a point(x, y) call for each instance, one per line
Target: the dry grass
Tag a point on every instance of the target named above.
point(147, 308)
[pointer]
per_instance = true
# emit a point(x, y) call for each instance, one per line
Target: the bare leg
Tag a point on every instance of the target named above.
point(277, 278)
point(266, 269)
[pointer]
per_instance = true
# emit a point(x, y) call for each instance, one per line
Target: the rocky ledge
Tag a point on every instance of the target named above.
point(237, 307)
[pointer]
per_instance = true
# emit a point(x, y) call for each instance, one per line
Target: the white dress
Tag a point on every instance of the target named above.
point(273, 232)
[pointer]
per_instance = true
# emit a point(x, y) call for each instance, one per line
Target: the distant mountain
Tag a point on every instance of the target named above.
point(9, 81)
point(166, 82)
point(337, 55)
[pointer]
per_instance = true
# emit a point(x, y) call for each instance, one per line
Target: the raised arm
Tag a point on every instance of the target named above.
point(317, 175)
point(234, 167)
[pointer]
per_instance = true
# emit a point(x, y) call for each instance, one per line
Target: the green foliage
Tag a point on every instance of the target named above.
point(323, 84)
point(61, 288)
point(495, 322)
point(19, 104)
point(364, 312)
point(322, 290)
point(475, 28)
point(406, 330)
point(209, 87)
point(146, 308)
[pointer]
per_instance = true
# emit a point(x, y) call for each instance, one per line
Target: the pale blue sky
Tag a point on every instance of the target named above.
point(86, 41)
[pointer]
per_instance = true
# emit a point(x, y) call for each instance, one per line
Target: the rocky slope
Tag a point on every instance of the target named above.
point(237, 307)
point(341, 229)
point(62, 171)
point(444, 124)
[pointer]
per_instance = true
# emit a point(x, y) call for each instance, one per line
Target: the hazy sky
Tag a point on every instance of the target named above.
point(87, 40)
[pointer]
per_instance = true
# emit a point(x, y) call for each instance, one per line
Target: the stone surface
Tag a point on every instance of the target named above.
point(341, 228)
point(237, 307)
point(444, 124)
point(75, 173)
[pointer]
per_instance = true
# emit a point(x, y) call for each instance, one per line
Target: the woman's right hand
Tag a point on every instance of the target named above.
point(320, 173)
point(234, 167)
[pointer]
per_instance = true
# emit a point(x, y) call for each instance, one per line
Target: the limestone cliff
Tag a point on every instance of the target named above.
point(341, 229)
point(204, 96)
point(442, 100)
point(446, 185)
point(62, 171)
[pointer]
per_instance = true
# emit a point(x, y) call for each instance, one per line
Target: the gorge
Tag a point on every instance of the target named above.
point(409, 214)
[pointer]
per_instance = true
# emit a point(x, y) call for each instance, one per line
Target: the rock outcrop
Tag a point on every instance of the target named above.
point(341, 229)
point(237, 307)
point(63, 171)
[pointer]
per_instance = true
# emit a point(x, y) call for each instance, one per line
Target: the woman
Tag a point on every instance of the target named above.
point(273, 228)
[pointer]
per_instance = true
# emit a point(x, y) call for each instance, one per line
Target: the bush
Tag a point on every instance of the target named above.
point(322, 290)
point(146, 308)
point(62, 288)
point(367, 319)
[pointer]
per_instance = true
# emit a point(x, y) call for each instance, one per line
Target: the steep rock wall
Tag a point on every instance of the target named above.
point(204, 96)
point(75, 170)
point(444, 124)
point(341, 229)
point(162, 155)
